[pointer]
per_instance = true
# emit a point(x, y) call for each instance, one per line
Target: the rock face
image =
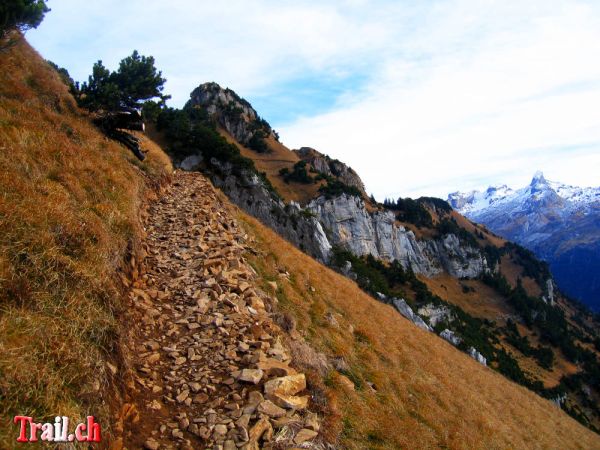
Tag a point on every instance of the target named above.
point(473, 353)
point(451, 337)
point(231, 111)
point(348, 224)
point(191, 162)
point(249, 192)
point(345, 221)
point(549, 297)
point(456, 340)
point(403, 308)
point(559, 223)
point(331, 167)
point(436, 314)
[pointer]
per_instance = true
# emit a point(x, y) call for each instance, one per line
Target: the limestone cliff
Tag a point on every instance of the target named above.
point(230, 111)
point(330, 167)
point(348, 224)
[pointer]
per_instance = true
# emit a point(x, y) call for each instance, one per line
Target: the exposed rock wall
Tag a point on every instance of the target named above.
point(331, 167)
point(348, 223)
point(232, 112)
point(290, 221)
point(436, 314)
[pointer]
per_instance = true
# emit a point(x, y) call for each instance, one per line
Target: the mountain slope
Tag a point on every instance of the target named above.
point(559, 223)
point(70, 202)
point(490, 298)
point(395, 385)
point(73, 241)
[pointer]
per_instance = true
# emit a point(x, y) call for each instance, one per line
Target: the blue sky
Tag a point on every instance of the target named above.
point(421, 98)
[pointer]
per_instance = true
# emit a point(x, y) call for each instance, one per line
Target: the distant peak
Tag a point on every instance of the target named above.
point(538, 177)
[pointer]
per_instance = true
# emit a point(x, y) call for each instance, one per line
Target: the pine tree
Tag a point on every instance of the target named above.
point(137, 80)
point(21, 14)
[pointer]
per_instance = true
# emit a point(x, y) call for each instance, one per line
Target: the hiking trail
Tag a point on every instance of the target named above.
point(210, 369)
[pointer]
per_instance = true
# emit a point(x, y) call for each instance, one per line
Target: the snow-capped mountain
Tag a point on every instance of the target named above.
point(560, 223)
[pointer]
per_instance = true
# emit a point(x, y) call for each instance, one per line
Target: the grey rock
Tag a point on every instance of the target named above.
point(435, 314)
point(290, 221)
point(218, 101)
point(403, 308)
point(331, 167)
point(191, 162)
point(549, 297)
point(451, 337)
point(473, 353)
point(351, 226)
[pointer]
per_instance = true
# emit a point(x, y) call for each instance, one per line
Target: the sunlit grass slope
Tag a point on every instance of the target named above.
point(411, 389)
point(69, 207)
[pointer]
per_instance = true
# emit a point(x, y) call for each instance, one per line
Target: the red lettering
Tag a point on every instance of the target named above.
point(93, 430)
point(33, 429)
point(78, 432)
point(24, 420)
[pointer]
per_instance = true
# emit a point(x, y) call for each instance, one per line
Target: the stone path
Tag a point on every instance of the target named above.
point(211, 370)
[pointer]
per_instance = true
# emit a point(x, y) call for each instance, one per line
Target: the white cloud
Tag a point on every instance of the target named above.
point(497, 97)
point(460, 93)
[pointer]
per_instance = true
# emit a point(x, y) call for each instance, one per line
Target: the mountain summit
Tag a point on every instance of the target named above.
point(558, 222)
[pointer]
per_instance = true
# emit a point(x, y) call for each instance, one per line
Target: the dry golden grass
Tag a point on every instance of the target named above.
point(489, 238)
point(428, 394)
point(513, 272)
point(69, 207)
point(271, 163)
point(483, 302)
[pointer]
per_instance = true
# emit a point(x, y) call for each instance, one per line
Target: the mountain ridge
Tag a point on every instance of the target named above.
point(377, 380)
point(559, 222)
point(399, 252)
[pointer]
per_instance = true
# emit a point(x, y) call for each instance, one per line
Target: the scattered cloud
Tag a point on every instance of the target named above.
point(421, 98)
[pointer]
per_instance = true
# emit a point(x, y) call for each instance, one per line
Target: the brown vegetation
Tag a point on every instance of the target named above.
point(398, 386)
point(271, 163)
point(69, 207)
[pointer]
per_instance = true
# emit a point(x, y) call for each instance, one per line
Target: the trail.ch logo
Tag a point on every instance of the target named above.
point(57, 431)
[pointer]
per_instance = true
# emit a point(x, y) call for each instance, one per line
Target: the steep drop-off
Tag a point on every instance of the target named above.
point(488, 297)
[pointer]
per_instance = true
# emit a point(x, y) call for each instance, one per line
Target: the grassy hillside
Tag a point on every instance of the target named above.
point(506, 313)
point(397, 386)
point(69, 206)
point(278, 157)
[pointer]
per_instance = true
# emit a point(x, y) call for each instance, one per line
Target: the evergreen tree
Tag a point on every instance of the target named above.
point(137, 80)
point(21, 14)
point(100, 91)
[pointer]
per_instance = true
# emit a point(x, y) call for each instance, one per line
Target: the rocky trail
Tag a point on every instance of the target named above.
point(210, 365)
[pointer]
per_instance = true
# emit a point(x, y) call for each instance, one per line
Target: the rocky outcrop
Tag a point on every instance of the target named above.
point(403, 308)
point(549, 296)
point(231, 112)
point(348, 224)
point(436, 314)
point(456, 258)
point(330, 167)
point(456, 340)
point(249, 192)
point(451, 337)
point(191, 162)
point(473, 353)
